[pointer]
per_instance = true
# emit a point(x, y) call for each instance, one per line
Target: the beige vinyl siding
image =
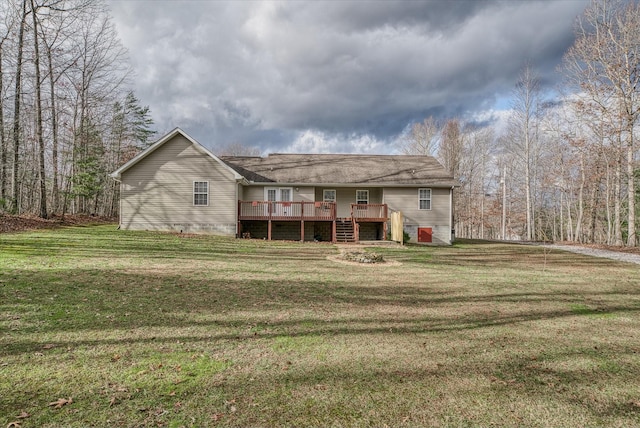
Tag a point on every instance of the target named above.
point(256, 193)
point(345, 196)
point(157, 193)
point(304, 194)
point(253, 193)
point(405, 199)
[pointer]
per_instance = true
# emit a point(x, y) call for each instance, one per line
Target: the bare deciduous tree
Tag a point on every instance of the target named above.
point(14, 206)
point(423, 138)
point(8, 24)
point(238, 149)
point(604, 68)
point(70, 69)
point(523, 134)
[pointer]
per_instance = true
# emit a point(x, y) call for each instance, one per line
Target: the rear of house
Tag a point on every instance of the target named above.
point(178, 185)
point(357, 194)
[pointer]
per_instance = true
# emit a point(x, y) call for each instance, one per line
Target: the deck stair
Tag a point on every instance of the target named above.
point(344, 231)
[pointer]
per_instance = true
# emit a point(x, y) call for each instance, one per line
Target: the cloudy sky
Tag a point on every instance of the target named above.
point(334, 76)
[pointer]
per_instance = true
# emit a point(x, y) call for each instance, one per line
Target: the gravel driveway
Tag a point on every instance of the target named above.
point(596, 252)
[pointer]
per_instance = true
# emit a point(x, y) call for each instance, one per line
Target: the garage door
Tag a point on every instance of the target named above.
point(425, 234)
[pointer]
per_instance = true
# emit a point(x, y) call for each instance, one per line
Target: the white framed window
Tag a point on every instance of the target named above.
point(328, 195)
point(201, 193)
point(362, 197)
point(286, 194)
point(424, 199)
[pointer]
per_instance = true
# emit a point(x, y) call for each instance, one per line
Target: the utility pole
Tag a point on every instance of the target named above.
point(561, 217)
point(504, 203)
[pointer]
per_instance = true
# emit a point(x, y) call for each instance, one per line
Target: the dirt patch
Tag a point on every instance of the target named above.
point(21, 223)
point(386, 263)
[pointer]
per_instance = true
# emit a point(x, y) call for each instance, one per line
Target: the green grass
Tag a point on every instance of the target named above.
point(148, 329)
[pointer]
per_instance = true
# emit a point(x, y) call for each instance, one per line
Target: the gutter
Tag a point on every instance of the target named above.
point(349, 185)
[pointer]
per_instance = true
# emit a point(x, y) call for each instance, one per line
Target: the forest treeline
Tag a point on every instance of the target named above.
point(563, 169)
point(68, 116)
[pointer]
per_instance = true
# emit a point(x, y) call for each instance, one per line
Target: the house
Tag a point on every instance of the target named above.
point(178, 185)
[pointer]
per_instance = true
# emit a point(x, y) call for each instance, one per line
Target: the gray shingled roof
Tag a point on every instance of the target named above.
point(342, 169)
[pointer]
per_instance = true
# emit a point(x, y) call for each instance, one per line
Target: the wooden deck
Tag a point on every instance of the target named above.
point(369, 212)
point(286, 211)
point(272, 211)
point(308, 211)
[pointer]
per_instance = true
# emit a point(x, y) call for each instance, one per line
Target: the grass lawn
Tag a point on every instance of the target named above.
point(146, 329)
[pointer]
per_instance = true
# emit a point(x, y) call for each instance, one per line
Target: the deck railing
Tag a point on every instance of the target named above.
point(308, 211)
point(369, 212)
point(268, 210)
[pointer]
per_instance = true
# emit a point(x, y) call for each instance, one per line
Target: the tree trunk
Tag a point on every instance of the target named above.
point(54, 134)
point(39, 137)
point(608, 207)
point(631, 190)
point(569, 225)
point(617, 191)
point(595, 192)
point(15, 208)
point(3, 142)
point(578, 232)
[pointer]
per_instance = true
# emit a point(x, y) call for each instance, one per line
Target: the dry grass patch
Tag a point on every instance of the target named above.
point(145, 329)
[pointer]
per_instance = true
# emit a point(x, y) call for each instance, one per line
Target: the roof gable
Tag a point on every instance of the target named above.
point(168, 137)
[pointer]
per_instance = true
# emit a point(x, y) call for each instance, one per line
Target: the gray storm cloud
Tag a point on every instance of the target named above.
point(290, 76)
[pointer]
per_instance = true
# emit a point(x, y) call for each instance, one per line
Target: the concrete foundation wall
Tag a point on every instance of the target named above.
point(207, 228)
point(289, 230)
point(371, 231)
point(441, 234)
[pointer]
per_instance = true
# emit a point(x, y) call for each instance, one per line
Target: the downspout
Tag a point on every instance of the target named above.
point(451, 232)
point(117, 178)
point(120, 206)
point(239, 182)
point(237, 205)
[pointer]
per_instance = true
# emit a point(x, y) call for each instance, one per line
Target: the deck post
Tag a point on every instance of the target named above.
point(384, 231)
point(356, 231)
point(334, 233)
point(269, 230)
point(302, 230)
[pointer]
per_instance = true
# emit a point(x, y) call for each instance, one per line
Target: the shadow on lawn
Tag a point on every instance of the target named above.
point(298, 328)
point(86, 243)
point(497, 255)
point(74, 300)
point(244, 310)
point(78, 243)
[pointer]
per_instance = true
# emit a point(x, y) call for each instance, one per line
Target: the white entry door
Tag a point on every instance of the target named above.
point(279, 194)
